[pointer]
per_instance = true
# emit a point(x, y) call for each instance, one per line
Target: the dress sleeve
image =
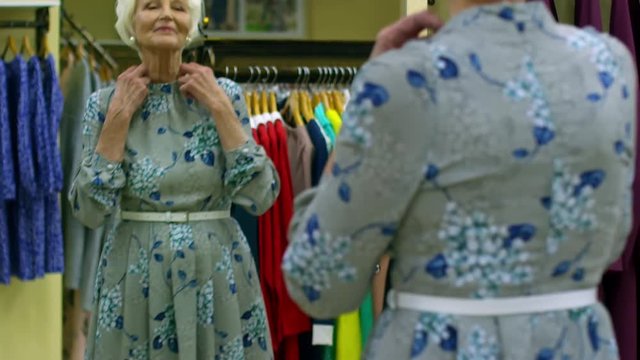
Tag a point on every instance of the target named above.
point(96, 186)
point(342, 228)
point(250, 176)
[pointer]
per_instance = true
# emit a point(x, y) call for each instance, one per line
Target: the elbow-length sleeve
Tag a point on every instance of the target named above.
point(250, 176)
point(96, 187)
point(342, 228)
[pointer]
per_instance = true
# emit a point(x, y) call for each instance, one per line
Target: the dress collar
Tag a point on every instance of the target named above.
point(519, 16)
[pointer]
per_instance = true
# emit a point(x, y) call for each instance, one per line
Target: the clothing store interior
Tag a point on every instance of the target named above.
point(281, 241)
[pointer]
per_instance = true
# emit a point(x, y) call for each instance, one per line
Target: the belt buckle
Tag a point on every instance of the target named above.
point(172, 217)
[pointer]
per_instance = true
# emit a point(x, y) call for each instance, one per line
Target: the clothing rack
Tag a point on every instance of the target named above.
point(89, 39)
point(40, 24)
point(303, 75)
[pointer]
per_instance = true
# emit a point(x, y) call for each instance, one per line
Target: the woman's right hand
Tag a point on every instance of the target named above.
point(408, 28)
point(131, 90)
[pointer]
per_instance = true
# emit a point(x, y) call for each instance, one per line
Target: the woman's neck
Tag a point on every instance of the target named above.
point(457, 6)
point(162, 67)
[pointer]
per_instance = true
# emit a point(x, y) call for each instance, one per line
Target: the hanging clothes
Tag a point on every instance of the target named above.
point(7, 177)
point(82, 245)
point(30, 243)
point(587, 13)
point(19, 210)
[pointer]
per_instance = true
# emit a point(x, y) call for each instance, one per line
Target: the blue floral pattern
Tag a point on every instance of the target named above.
point(483, 176)
point(164, 275)
point(571, 203)
point(482, 253)
point(205, 304)
point(144, 177)
point(434, 328)
point(480, 346)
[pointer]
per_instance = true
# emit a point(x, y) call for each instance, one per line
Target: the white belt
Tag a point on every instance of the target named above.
point(493, 307)
point(174, 217)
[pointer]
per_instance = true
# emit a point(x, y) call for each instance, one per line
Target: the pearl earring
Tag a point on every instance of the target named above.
point(188, 39)
point(132, 39)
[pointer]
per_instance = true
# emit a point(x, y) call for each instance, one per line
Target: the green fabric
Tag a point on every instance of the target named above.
point(366, 319)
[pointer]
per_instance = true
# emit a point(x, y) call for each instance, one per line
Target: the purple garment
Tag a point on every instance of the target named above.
point(54, 248)
point(588, 14)
point(7, 180)
point(39, 129)
point(19, 215)
point(619, 285)
point(7, 172)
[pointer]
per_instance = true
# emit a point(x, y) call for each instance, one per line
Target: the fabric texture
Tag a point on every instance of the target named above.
point(494, 180)
point(174, 290)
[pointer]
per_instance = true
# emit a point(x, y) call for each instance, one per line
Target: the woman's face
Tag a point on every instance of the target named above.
point(161, 24)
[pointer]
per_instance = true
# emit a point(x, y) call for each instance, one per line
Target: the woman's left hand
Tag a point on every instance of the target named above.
point(199, 82)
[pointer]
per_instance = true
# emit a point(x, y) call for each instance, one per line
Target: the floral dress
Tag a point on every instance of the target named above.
point(493, 160)
point(185, 291)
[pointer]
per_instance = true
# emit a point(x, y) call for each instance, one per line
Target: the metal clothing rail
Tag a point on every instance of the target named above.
point(40, 24)
point(303, 75)
point(89, 39)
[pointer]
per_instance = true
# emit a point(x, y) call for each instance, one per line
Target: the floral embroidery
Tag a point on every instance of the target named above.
point(140, 352)
point(225, 266)
point(233, 350)
point(155, 104)
point(241, 170)
point(480, 346)
point(205, 304)
point(141, 268)
point(181, 236)
point(144, 177)
point(358, 115)
point(602, 57)
point(109, 308)
point(570, 204)
point(480, 252)
point(314, 260)
point(583, 317)
point(436, 328)
point(201, 142)
point(254, 327)
point(166, 332)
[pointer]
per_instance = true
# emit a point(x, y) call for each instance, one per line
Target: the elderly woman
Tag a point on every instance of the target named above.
point(494, 161)
point(167, 150)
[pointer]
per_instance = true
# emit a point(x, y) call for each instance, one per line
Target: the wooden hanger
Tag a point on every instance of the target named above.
point(248, 101)
point(26, 49)
point(273, 103)
point(10, 46)
point(93, 64)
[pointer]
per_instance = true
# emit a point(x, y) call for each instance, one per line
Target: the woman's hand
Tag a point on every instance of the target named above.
point(131, 90)
point(199, 82)
point(405, 29)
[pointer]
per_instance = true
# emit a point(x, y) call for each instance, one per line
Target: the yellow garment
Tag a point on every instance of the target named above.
point(335, 120)
point(348, 343)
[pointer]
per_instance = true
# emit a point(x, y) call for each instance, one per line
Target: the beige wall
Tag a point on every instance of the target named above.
point(566, 9)
point(326, 19)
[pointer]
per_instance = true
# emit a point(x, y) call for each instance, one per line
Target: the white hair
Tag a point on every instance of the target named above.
point(126, 9)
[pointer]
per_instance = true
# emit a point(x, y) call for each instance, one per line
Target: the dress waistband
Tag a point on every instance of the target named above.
point(493, 307)
point(174, 217)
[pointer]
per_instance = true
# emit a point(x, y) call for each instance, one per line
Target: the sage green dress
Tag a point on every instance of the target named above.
point(492, 160)
point(184, 291)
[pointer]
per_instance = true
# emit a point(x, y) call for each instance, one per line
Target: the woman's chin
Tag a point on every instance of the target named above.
point(165, 44)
